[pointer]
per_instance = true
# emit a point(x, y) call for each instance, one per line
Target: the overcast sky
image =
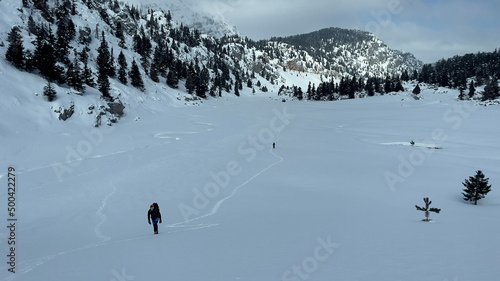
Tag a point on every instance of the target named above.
point(430, 29)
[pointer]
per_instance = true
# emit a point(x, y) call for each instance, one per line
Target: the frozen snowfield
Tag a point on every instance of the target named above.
point(334, 201)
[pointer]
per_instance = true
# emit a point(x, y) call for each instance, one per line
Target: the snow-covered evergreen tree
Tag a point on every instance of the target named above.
point(135, 76)
point(15, 51)
point(103, 68)
point(472, 89)
point(122, 69)
point(49, 91)
point(476, 187)
point(74, 76)
point(172, 79)
point(491, 90)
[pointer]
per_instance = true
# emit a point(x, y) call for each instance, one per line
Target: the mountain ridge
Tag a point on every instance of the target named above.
point(369, 55)
point(177, 63)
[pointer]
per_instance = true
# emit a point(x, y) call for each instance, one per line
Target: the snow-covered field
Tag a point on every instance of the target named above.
point(335, 200)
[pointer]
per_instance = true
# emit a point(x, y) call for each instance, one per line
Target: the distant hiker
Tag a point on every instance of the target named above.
point(155, 216)
point(274, 145)
point(412, 143)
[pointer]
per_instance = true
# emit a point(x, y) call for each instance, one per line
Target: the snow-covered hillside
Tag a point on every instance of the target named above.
point(166, 41)
point(334, 201)
point(336, 51)
point(204, 16)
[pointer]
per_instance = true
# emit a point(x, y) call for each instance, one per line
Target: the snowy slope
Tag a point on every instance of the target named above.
point(334, 201)
point(207, 17)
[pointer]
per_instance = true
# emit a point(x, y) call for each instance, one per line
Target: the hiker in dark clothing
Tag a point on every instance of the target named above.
point(155, 216)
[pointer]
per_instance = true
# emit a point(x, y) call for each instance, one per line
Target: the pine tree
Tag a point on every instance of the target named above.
point(444, 79)
point(103, 57)
point(353, 87)
point(388, 85)
point(78, 73)
point(172, 79)
point(32, 26)
point(74, 76)
point(103, 68)
point(87, 75)
point(190, 83)
point(111, 64)
point(461, 96)
point(416, 90)
point(476, 187)
point(236, 91)
point(369, 87)
point(399, 87)
point(62, 42)
point(119, 34)
point(491, 90)
point(44, 58)
point(49, 91)
point(122, 70)
point(15, 51)
point(104, 85)
point(153, 73)
point(405, 76)
point(203, 81)
point(159, 62)
point(427, 209)
point(135, 76)
point(472, 89)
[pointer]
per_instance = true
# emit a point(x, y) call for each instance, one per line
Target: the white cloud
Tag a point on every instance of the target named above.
point(429, 29)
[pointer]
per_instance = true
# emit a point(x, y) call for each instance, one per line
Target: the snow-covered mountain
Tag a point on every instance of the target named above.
point(175, 59)
point(339, 51)
point(202, 16)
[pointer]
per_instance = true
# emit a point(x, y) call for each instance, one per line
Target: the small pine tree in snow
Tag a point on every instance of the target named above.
point(135, 76)
point(427, 210)
point(49, 91)
point(476, 187)
point(416, 90)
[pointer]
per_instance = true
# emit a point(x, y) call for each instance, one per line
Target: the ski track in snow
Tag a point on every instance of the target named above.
point(30, 265)
point(106, 240)
point(72, 162)
point(97, 228)
point(215, 208)
point(426, 145)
